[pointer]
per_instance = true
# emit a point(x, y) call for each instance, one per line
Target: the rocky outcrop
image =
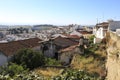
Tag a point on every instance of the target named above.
point(113, 57)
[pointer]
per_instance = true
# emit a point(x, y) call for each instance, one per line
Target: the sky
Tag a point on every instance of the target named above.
point(58, 12)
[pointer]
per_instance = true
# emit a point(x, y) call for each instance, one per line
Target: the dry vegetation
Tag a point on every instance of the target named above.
point(48, 72)
point(92, 61)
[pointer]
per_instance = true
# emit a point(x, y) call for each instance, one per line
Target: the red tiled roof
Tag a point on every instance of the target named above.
point(85, 32)
point(74, 36)
point(11, 48)
point(71, 36)
point(64, 42)
point(68, 48)
point(104, 24)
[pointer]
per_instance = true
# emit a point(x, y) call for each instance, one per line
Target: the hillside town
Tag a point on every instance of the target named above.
point(50, 41)
point(59, 40)
point(61, 43)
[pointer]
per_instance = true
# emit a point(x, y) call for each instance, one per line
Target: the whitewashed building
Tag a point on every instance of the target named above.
point(76, 33)
point(100, 31)
point(7, 50)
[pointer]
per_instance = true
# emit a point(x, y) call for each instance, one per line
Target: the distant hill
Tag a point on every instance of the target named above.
point(3, 26)
point(44, 25)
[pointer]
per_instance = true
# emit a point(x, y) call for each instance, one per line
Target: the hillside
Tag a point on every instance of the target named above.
point(93, 60)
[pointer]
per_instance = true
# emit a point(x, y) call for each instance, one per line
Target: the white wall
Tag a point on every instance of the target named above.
point(66, 56)
point(118, 32)
point(3, 59)
point(94, 31)
point(99, 33)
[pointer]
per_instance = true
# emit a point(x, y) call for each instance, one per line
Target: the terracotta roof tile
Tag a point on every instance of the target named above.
point(11, 48)
point(68, 48)
point(74, 36)
point(64, 42)
point(104, 24)
point(85, 32)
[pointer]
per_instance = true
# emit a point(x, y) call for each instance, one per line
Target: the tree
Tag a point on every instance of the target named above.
point(31, 59)
point(12, 69)
point(91, 39)
point(17, 72)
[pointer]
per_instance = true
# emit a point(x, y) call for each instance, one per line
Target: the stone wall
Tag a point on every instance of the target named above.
point(113, 57)
point(66, 57)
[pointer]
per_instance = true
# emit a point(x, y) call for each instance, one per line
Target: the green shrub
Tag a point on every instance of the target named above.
point(50, 62)
point(22, 76)
point(75, 75)
point(30, 58)
point(91, 39)
point(12, 69)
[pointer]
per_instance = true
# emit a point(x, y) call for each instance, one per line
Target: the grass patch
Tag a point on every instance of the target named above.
point(48, 72)
point(93, 60)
